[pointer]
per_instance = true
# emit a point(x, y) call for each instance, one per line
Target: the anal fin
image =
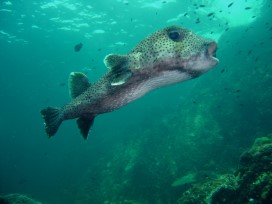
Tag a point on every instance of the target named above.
point(84, 124)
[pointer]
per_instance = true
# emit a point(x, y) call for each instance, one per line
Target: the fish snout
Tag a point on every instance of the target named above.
point(210, 50)
point(212, 47)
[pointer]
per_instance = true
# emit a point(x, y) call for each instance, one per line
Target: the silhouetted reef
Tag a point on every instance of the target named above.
point(17, 199)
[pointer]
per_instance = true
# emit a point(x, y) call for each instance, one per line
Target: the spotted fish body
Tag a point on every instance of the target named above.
point(169, 56)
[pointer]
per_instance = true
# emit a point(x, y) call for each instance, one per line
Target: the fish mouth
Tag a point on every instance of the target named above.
point(211, 52)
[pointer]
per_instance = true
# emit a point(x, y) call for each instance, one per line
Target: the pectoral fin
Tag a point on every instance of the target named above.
point(121, 78)
point(119, 67)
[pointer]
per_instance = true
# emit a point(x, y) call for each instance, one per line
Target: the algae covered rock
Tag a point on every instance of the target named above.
point(255, 172)
point(210, 190)
point(123, 202)
point(252, 182)
point(17, 199)
point(187, 179)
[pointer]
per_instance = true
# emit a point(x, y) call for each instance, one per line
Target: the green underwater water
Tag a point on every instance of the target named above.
point(153, 149)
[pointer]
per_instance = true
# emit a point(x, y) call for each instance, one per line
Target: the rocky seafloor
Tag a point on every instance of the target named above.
point(250, 183)
point(17, 199)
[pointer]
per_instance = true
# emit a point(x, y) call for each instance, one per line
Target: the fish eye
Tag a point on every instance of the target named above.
point(174, 35)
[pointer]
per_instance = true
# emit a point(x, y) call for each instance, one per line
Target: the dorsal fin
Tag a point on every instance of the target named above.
point(78, 83)
point(118, 64)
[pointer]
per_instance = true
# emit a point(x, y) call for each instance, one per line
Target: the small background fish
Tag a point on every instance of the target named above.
point(78, 47)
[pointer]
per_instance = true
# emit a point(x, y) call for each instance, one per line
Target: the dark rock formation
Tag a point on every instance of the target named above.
point(252, 182)
point(17, 199)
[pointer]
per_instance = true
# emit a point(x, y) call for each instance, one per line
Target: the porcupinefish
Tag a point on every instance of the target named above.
point(168, 56)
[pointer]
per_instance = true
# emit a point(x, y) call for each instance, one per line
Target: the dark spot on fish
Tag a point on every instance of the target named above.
point(241, 104)
point(185, 14)
point(197, 20)
point(164, 2)
point(210, 14)
point(78, 47)
point(222, 71)
point(253, 16)
point(249, 52)
point(194, 102)
point(99, 49)
point(226, 29)
point(230, 4)
point(256, 59)
point(202, 5)
point(238, 90)
point(247, 8)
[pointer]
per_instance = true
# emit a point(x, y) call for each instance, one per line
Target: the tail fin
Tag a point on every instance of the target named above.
point(52, 119)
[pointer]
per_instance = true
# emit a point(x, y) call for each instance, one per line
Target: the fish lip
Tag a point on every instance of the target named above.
point(210, 51)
